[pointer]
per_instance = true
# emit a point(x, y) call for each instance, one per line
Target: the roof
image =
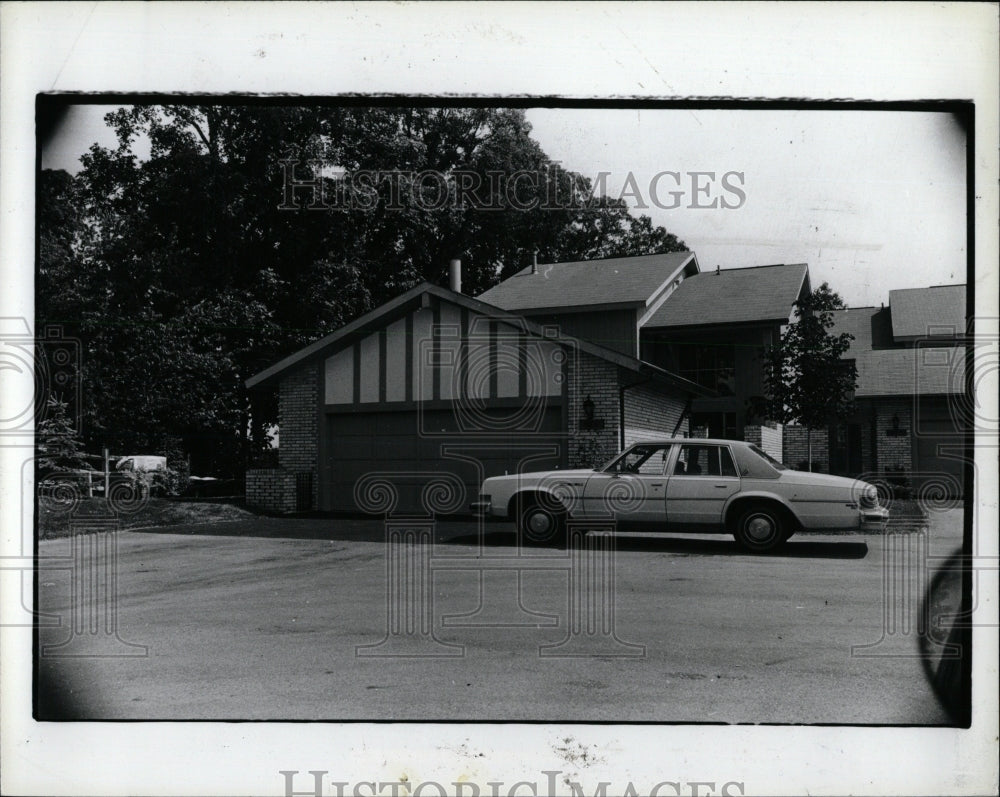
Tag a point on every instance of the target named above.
point(923, 312)
point(886, 369)
point(734, 295)
point(414, 297)
point(870, 326)
point(612, 281)
point(920, 371)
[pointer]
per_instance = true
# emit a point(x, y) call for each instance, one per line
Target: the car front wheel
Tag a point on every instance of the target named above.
point(760, 529)
point(540, 525)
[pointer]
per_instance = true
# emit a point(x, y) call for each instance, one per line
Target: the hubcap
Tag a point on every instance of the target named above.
point(539, 523)
point(760, 529)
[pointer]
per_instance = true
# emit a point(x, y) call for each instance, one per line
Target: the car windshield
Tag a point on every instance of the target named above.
point(771, 460)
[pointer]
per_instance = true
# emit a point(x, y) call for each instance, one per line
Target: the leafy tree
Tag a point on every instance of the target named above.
point(808, 381)
point(186, 272)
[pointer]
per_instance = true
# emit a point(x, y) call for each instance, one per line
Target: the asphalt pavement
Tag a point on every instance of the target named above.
point(296, 619)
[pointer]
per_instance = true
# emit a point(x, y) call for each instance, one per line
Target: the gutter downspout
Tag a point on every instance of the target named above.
point(684, 414)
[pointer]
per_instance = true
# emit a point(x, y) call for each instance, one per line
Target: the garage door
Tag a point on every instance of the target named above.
point(409, 448)
point(939, 448)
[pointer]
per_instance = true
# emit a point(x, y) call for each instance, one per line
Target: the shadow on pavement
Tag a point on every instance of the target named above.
point(465, 533)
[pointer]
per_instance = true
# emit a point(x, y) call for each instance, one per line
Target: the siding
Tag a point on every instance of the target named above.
point(614, 329)
point(651, 415)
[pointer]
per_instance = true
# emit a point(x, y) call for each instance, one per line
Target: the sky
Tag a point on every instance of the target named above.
point(870, 200)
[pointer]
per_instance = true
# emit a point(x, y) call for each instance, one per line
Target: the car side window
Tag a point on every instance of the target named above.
point(649, 461)
point(692, 461)
point(704, 460)
point(655, 463)
point(726, 462)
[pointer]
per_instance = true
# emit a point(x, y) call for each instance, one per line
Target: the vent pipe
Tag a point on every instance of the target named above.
point(455, 275)
point(534, 263)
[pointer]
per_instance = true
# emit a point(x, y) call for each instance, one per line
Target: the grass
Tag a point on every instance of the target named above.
point(57, 520)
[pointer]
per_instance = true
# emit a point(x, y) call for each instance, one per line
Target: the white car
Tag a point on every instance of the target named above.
point(685, 484)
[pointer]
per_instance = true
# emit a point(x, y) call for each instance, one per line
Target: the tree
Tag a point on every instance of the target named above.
point(185, 272)
point(807, 380)
point(59, 445)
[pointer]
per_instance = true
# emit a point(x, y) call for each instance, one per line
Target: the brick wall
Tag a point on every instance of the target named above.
point(895, 452)
point(768, 438)
point(796, 448)
point(597, 378)
point(298, 435)
point(651, 415)
point(271, 489)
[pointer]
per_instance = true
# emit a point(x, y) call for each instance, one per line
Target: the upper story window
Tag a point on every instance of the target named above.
point(711, 365)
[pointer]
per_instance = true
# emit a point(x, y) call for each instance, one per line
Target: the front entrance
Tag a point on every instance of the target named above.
point(845, 449)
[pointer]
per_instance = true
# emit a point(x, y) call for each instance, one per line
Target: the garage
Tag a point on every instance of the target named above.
point(407, 409)
point(411, 453)
point(939, 448)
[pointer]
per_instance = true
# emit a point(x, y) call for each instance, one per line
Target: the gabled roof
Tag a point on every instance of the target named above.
point(416, 297)
point(924, 312)
point(589, 283)
point(870, 326)
point(885, 369)
point(732, 296)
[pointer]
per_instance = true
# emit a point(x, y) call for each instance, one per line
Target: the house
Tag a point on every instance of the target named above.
point(911, 411)
point(563, 364)
point(714, 328)
point(411, 406)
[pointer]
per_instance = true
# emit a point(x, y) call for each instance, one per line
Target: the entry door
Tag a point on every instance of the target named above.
point(634, 492)
point(703, 478)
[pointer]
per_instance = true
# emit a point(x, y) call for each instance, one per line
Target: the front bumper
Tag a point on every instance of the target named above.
point(481, 507)
point(874, 518)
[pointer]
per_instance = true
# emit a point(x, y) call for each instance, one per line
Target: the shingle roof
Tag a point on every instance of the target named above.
point(735, 295)
point(887, 370)
point(919, 312)
point(870, 326)
point(911, 372)
point(616, 280)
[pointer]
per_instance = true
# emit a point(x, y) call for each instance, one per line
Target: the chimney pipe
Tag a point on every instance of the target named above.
point(534, 263)
point(455, 275)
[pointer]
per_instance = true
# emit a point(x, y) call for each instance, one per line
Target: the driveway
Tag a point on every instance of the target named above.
point(294, 619)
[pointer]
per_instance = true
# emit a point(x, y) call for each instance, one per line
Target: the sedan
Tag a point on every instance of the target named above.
point(684, 484)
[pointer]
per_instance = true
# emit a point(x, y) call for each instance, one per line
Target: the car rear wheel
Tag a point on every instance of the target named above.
point(538, 524)
point(760, 529)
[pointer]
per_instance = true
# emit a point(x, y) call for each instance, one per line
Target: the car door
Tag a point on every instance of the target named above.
point(704, 476)
point(633, 491)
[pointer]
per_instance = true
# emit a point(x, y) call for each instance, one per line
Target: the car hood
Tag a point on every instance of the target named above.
point(807, 479)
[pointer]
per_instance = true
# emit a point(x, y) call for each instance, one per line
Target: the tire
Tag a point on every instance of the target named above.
point(538, 524)
point(760, 529)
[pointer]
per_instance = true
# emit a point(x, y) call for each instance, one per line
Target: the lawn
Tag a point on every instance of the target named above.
point(58, 520)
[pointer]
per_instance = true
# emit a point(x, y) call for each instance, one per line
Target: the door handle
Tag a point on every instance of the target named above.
point(721, 486)
point(656, 484)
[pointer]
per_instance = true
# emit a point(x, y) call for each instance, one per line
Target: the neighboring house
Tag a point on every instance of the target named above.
point(910, 392)
point(714, 328)
point(432, 392)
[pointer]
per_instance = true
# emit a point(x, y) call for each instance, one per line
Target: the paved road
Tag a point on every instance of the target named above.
point(263, 620)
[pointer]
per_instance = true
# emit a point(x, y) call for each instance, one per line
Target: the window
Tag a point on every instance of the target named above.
point(711, 365)
point(705, 460)
point(721, 425)
point(646, 460)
